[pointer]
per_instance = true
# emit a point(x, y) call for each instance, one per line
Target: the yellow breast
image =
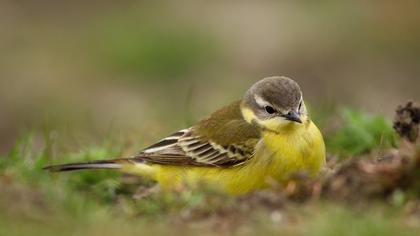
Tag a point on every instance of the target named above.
point(298, 148)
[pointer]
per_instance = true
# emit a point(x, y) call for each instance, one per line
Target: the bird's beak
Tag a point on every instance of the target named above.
point(293, 116)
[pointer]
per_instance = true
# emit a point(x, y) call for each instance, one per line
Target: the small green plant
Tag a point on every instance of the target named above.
point(360, 133)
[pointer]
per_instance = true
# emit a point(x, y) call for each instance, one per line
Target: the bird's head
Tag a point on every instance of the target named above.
point(274, 103)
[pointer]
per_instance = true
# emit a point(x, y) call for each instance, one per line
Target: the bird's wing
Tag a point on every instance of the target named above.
point(224, 139)
point(186, 148)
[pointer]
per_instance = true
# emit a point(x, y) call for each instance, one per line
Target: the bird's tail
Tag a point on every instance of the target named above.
point(100, 164)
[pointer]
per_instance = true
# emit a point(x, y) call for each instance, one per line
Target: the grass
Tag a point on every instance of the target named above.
point(341, 221)
point(102, 202)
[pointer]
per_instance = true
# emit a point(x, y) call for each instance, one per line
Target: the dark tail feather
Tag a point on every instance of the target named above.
point(101, 164)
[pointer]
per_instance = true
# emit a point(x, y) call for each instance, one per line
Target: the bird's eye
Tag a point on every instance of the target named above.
point(300, 105)
point(269, 110)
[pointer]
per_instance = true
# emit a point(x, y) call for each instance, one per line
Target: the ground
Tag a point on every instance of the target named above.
point(368, 188)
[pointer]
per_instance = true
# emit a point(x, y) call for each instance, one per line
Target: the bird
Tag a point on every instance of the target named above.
point(264, 138)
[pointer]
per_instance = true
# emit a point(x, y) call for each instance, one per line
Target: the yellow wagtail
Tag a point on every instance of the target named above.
point(240, 148)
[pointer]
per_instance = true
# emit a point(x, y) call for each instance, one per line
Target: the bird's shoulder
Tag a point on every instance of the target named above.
point(227, 126)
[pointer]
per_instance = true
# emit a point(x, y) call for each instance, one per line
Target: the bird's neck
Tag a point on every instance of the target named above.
point(286, 137)
point(287, 129)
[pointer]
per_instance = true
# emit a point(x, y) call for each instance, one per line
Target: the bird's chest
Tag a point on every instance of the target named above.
point(285, 154)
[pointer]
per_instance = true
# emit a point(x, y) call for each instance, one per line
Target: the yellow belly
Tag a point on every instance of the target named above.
point(277, 156)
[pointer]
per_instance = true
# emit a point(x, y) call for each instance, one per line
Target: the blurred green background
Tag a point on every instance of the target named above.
point(84, 80)
point(137, 70)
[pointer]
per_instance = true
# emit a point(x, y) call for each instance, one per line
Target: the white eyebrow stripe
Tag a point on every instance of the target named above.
point(260, 101)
